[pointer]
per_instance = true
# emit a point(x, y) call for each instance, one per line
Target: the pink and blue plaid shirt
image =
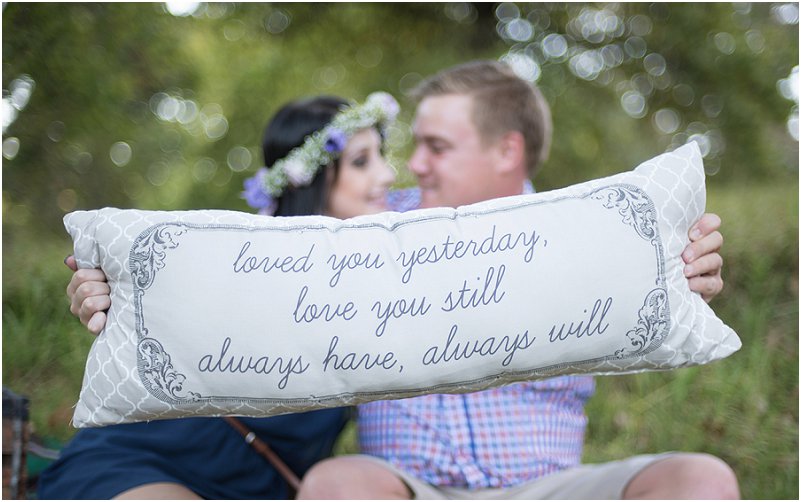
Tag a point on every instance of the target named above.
point(495, 438)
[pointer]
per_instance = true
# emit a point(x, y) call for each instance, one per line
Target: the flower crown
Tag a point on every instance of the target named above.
point(319, 148)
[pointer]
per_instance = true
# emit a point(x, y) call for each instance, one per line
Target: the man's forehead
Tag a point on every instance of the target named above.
point(442, 103)
point(443, 115)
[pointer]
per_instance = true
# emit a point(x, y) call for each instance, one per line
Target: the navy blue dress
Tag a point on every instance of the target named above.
point(204, 454)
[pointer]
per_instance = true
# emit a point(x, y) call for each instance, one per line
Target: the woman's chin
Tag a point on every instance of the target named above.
point(375, 205)
point(375, 208)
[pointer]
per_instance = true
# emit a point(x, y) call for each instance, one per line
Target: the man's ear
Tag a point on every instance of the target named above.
point(510, 151)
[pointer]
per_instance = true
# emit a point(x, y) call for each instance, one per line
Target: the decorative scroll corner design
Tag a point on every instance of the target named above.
point(158, 374)
point(150, 250)
point(652, 327)
point(633, 205)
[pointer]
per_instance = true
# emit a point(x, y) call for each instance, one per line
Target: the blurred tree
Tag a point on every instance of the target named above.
point(133, 106)
point(94, 68)
point(140, 105)
point(627, 81)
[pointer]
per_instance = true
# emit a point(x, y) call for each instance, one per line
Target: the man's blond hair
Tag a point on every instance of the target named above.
point(502, 102)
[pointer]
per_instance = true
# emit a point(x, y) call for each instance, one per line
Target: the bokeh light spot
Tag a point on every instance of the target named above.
point(239, 158)
point(643, 84)
point(742, 7)
point(158, 173)
point(215, 127)
point(67, 199)
point(55, 131)
point(204, 170)
point(523, 65)
point(83, 162)
point(234, 30)
point(663, 81)
point(277, 21)
point(120, 153)
point(711, 166)
point(702, 141)
point(640, 25)
point(10, 148)
point(667, 120)
point(329, 76)
point(223, 177)
point(785, 13)
point(654, 64)
point(519, 30)
point(167, 108)
point(792, 124)
point(717, 143)
point(188, 112)
point(21, 90)
point(181, 8)
point(633, 104)
point(217, 10)
point(587, 65)
point(612, 55)
point(539, 18)
point(788, 87)
point(712, 105)
point(554, 46)
point(507, 11)
point(755, 41)
point(635, 47)
point(398, 135)
point(461, 12)
point(725, 43)
point(9, 113)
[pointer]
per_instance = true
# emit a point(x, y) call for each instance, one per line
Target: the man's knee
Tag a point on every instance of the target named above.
point(714, 478)
point(324, 481)
point(351, 478)
point(686, 476)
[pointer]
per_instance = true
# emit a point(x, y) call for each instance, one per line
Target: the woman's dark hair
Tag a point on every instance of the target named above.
point(287, 130)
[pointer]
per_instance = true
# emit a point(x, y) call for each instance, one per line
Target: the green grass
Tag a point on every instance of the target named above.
point(743, 409)
point(44, 346)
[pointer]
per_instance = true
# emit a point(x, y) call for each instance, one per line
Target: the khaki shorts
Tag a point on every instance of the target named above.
point(587, 481)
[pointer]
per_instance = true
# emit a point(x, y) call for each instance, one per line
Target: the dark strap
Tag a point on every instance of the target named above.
point(265, 451)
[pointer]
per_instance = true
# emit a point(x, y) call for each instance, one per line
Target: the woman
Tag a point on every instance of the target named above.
point(326, 158)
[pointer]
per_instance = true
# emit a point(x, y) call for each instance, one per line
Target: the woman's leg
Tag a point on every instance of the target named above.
point(159, 491)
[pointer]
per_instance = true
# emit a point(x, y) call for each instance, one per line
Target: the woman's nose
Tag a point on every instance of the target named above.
point(386, 173)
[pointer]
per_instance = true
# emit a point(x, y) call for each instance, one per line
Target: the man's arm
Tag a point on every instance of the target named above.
point(89, 292)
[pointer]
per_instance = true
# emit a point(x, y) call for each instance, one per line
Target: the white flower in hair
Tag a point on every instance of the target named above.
point(384, 101)
point(297, 173)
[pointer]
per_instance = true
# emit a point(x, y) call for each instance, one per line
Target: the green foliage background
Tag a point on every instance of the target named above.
point(104, 73)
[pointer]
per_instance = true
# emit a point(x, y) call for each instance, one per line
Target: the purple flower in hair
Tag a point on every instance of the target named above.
point(336, 141)
point(254, 192)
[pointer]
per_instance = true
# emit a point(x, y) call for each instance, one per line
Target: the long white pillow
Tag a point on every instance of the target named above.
point(220, 312)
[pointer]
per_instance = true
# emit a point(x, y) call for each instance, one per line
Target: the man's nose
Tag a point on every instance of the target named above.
point(418, 163)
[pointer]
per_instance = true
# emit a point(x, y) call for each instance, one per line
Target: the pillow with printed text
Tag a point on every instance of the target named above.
point(227, 313)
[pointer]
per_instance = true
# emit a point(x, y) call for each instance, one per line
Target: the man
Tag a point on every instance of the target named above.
point(481, 133)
